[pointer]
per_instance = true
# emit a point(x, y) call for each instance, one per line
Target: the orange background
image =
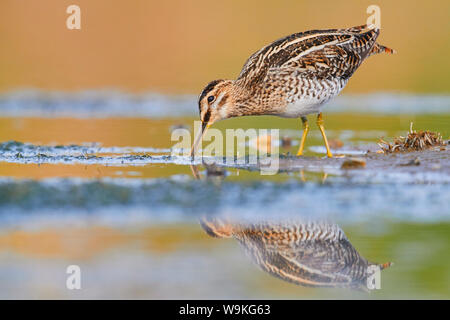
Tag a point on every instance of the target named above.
point(178, 46)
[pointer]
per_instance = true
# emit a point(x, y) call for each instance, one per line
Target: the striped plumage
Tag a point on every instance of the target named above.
point(291, 77)
point(316, 254)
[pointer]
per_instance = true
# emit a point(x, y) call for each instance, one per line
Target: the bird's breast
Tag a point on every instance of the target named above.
point(309, 95)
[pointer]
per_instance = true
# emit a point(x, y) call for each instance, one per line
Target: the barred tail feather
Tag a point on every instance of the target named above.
point(378, 48)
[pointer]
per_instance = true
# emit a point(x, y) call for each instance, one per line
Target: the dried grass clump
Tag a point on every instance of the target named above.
point(414, 141)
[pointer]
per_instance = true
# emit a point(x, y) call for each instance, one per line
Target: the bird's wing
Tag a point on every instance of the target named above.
point(327, 257)
point(312, 263)
point(317, 53)
point(314, 255)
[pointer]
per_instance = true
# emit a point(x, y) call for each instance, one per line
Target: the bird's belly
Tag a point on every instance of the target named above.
point(310, 99)
point(301, 108)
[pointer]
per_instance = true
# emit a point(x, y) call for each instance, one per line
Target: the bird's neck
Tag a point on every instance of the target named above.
point(245, 101)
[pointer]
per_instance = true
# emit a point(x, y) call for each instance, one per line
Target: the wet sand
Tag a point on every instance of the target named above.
point(432, 160)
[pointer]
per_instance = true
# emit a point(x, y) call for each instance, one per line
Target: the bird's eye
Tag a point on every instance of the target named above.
point(210, 99)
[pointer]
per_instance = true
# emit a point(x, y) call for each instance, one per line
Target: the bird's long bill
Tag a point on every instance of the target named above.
point(199, 138)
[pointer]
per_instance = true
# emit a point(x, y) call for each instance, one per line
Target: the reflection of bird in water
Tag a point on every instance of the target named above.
point(291, 77)
point(213, 172)
point(311, 254)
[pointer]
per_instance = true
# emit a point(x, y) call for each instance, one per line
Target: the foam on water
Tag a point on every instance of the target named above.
point(13, 148)
point(17, 152)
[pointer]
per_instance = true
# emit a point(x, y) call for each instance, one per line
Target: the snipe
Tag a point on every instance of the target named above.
point(291, 77)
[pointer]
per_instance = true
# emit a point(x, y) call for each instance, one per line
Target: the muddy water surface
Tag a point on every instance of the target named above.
point(105, 193)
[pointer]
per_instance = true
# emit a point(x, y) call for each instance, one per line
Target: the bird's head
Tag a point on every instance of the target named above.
point(215, 100)
point(214, 104)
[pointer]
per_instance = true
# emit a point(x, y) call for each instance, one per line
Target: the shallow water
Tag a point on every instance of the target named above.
point(107, 194)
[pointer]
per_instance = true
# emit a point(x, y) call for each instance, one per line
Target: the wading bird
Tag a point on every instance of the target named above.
point(291, 77)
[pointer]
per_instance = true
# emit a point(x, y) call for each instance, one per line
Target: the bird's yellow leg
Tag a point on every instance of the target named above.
point(324, 177)
point(322, 130)
point(302, 175)
point(305, 133)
